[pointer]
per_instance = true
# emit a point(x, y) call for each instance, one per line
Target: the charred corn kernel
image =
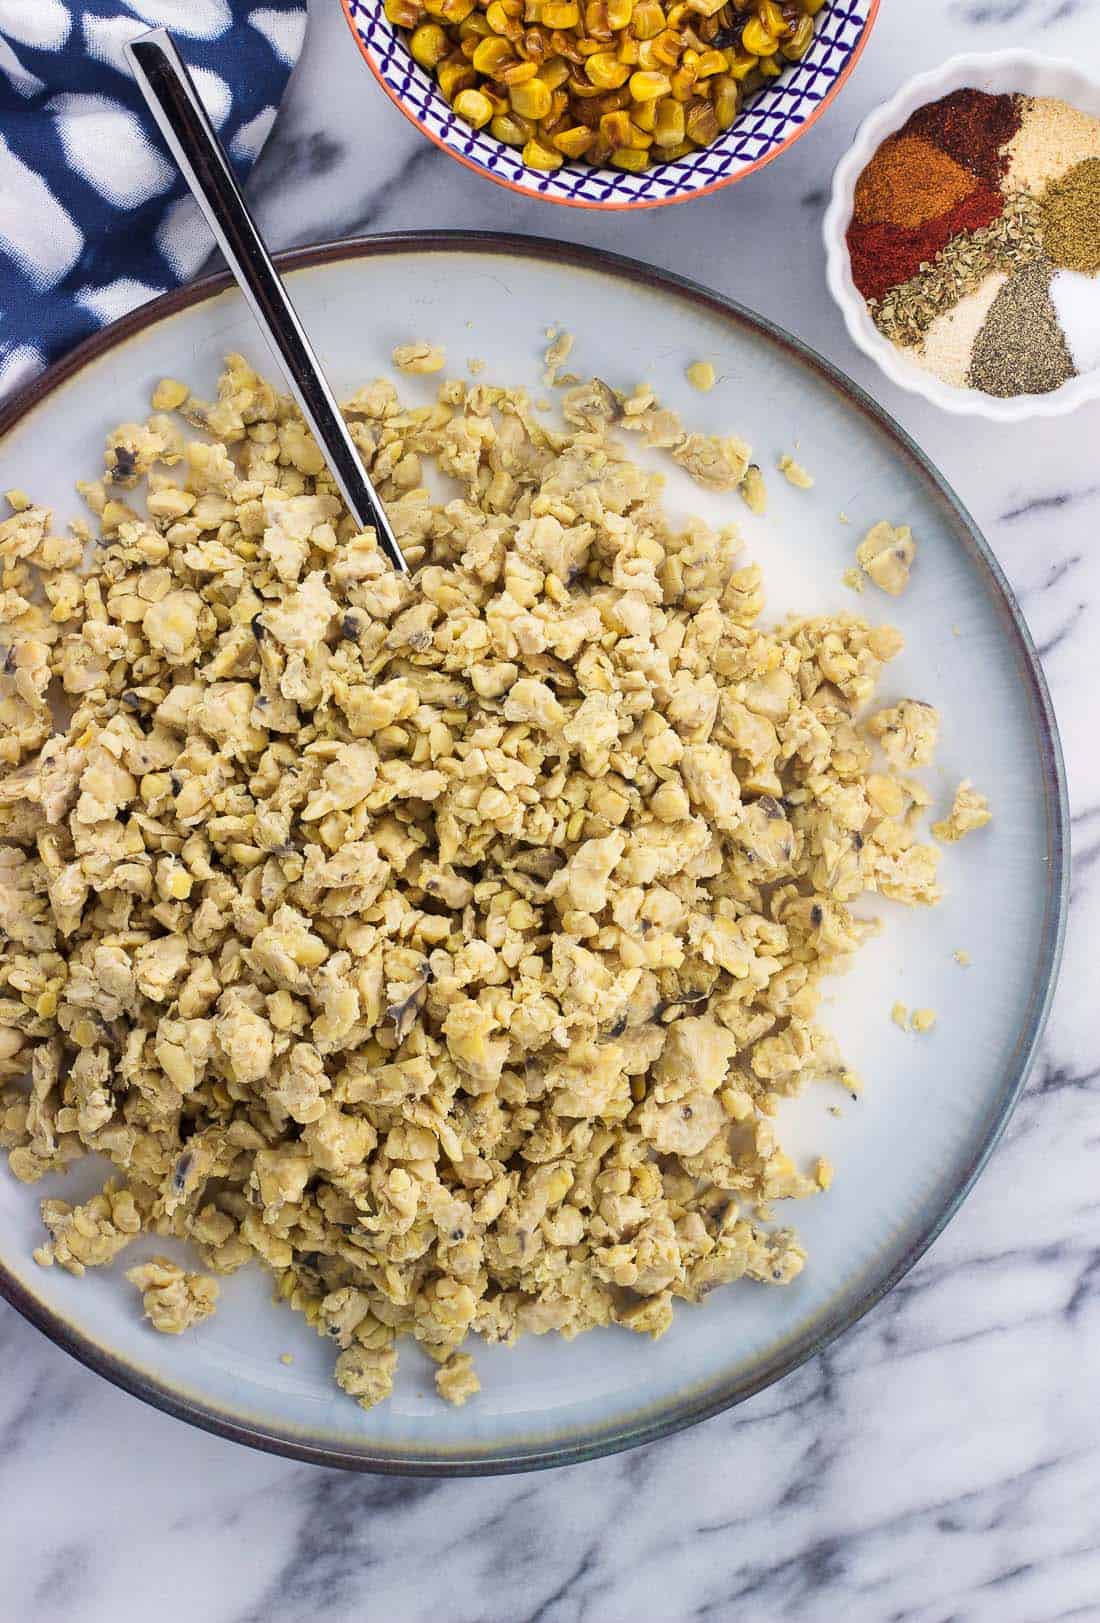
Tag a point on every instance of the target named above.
point(499, 20)
point(507, 130)
point(559, 14)
point(771, 18)
point(454, 76)
point(702, 126)
point(648, 20)
point(455, 11)
point(537, 156)
point(574, 142)
point(530, 100)
point(681, 150)
point(668, 48)
point(795, 48)
point(596, 23)
point(619, 13)
point(669, 128)
point(629, 51)
point(606, 71)
point(769, 67)
point(491, 54)
point(758, 40)
point(429, 45)
point(559, 106)
point(726, 99)
point(474, 108)
point(682, 84)
point(616, 129)
point(710, 63)
point(740, 64)
point(650, 86)
point(644, 114)
point(517, 73)
point(609, 101)
point(403, 13)
point(475, 27)
point(630, 158)
point(554, 72)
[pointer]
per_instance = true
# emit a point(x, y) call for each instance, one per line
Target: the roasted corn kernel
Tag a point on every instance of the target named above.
point(491, 54)
point(429, 45)
point(604, 81)
point(757, 39)
point(530, 100)
point(649, 86)
point(606, 71)
point(474, 108)
point(648, 20)
point(669, 128)
point(537, 156)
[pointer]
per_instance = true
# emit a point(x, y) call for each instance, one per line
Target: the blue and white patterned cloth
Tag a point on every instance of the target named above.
point(93, 215)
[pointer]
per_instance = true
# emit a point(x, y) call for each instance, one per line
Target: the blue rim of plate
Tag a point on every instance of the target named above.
point(723, 1393)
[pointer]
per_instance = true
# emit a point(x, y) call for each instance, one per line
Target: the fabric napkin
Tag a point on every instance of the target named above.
point(94, 218)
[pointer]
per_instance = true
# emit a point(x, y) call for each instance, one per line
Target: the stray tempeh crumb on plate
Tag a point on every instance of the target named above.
point(886, 555)
point(970, 811)
point(794, 473)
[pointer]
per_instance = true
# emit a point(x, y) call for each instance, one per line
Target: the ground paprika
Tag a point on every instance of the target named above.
point(883, 255)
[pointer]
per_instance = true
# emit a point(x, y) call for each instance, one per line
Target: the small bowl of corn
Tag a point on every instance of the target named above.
point(612, 104)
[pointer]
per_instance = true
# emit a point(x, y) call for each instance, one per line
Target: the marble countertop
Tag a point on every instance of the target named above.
point(941, 1461)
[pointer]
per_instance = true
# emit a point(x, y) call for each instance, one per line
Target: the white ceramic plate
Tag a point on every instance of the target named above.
point(933, 1106)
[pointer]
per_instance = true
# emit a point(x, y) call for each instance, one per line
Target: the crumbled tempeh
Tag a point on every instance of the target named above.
point(794, 473)
point(969, 811)
point(173, 1299)
point(908, 732)
point(456, 1380)
point(886, 555)
point(447, 943)
point(420, 357)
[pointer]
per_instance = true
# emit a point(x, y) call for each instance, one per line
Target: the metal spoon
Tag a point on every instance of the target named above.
point(173, 101)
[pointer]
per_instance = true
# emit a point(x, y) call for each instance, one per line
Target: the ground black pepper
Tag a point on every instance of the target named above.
point(1021, 349)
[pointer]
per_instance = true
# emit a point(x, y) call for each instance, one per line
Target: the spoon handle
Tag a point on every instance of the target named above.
point(174, 103)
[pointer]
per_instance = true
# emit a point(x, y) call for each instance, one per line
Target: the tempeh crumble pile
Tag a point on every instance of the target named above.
point(448, 943)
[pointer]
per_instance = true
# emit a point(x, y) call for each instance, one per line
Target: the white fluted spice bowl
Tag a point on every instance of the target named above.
point(999, 73)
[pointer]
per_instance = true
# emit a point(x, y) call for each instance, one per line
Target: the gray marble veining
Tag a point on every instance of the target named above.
point(940, 1462)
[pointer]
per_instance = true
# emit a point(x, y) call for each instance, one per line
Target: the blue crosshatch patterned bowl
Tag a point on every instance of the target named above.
point(775, 117)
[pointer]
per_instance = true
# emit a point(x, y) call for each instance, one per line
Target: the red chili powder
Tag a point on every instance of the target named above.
point(884, 255)
point(972, 127)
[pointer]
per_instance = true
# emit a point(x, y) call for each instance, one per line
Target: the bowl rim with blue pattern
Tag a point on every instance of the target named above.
point(775, 118)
